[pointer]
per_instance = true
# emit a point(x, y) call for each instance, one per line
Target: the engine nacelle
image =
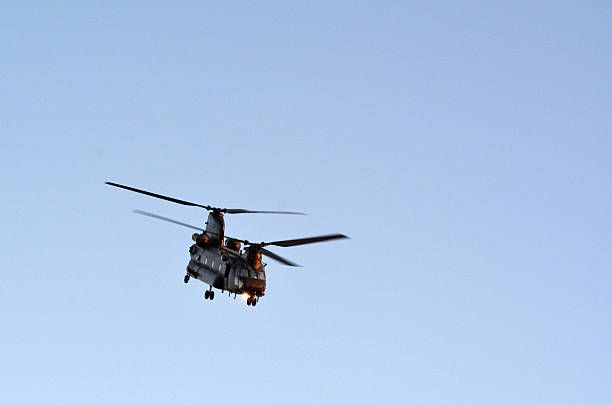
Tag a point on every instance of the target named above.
point(201, 239)
point(233, 244)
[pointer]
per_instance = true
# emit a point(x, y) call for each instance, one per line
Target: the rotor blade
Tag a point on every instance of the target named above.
point(278, 258)
point(231, 252)
point(163, 197)
point(239, 240)
point(208, 207)
point(305, 241)
point(148, 214)
point(242, 211)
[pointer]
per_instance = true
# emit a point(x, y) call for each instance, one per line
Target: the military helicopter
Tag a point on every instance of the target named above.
point(219, 261)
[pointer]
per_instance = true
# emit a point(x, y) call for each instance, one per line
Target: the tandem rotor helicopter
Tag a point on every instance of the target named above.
point(219, 261)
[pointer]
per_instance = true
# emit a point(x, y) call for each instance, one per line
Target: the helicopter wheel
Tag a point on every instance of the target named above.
point(249, 301)
point(186, 279)
point(206, 294)
point(254, 302)
point(212, 295)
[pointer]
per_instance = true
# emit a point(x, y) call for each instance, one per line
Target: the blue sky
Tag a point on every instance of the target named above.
point(465, 148)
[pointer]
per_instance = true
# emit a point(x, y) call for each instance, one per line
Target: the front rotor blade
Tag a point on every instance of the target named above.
point(278, 258)
point(242, 211)
point(148, 214)
point(163, 197)
point(263, 251)
point(305, 241)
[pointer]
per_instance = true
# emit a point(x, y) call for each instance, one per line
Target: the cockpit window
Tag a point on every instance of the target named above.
point(261, 275)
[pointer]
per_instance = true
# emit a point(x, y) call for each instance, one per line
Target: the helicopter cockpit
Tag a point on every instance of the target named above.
point(252, 274)
point(254, 281)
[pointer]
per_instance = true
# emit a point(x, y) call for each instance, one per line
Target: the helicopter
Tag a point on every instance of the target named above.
point(219, 260)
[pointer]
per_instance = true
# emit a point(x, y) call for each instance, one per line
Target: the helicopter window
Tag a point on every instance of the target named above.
point(244, 273)
point(261, 275)
point(205, 260)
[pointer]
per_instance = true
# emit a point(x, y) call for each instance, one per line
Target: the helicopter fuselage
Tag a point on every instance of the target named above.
point(212, 266)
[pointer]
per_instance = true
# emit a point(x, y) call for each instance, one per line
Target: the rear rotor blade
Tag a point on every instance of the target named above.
point(278, 258)
point(163, 197)
point(207, 207)
point(305, 241)
point(231, 252)
point(243, 211)
point(149, 214)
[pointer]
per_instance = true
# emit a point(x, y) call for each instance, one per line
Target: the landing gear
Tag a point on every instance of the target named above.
point(212, 295)
point(252, 301)
point(209, 295)
point(186, 279)
point(206, 294)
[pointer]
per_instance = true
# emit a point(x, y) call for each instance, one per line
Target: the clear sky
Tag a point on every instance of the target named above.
point(464, 146)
